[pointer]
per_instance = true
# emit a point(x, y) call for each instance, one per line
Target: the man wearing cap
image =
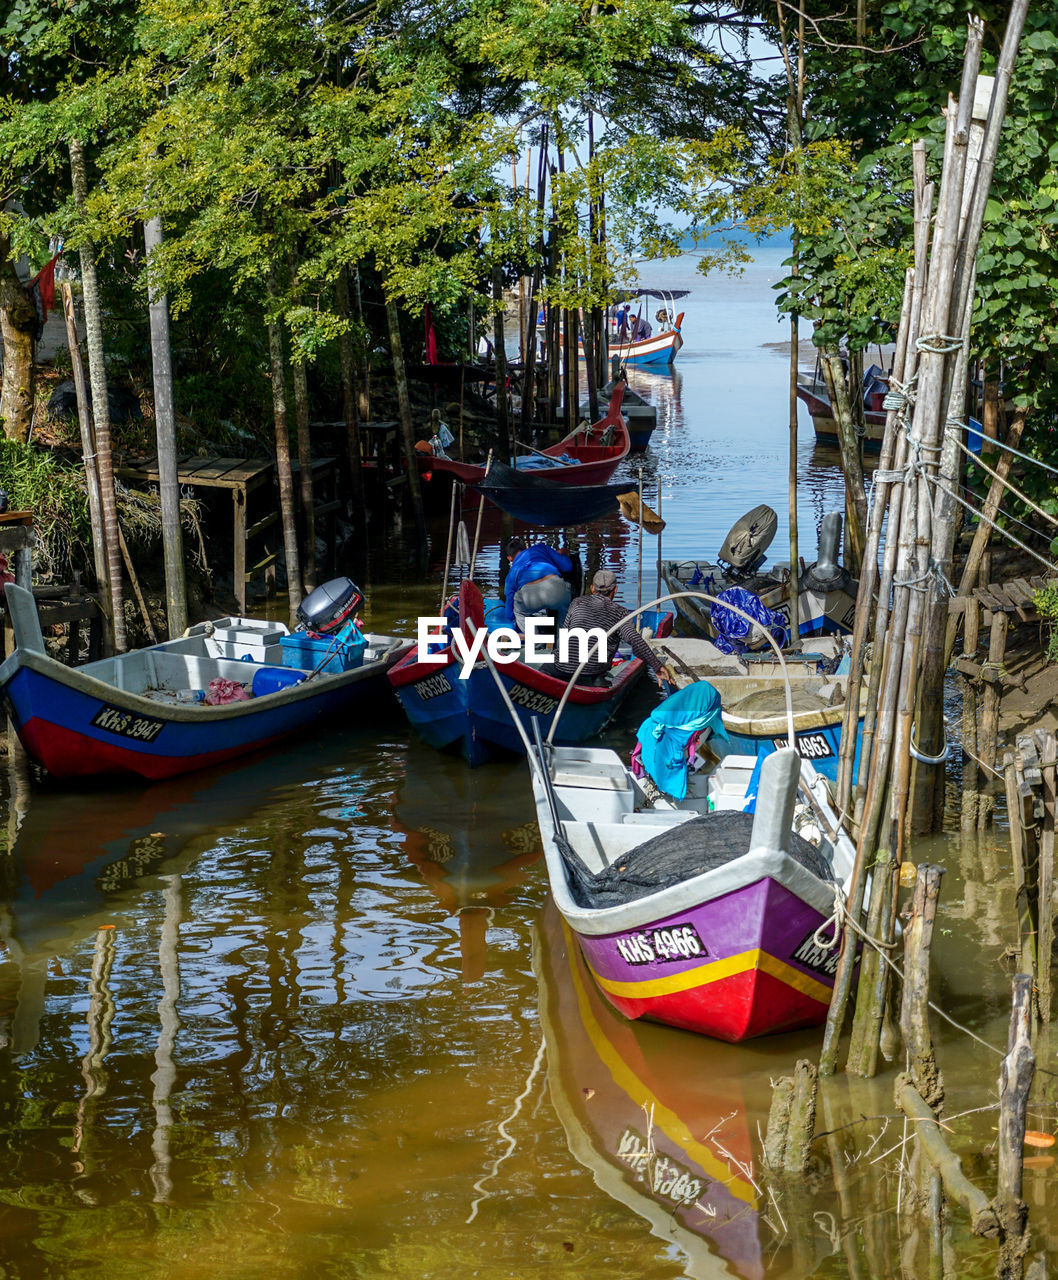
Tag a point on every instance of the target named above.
point(600, 609)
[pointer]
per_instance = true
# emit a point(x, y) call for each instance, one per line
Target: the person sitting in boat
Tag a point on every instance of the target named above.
point(599, 609)
point(535, 583)
point(641, 329)
point(669, 739)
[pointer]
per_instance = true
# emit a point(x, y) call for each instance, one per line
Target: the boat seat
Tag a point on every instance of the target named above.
point(25, 621)
point(658, 817)
point(591, 781)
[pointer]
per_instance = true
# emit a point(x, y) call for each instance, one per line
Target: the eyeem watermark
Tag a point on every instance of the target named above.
point(542, 641)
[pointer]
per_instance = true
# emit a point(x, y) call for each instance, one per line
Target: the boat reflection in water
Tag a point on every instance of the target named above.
point(660, 1118)
point(454, 835)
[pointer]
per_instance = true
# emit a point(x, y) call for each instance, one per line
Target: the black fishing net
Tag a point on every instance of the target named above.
point(678, 854)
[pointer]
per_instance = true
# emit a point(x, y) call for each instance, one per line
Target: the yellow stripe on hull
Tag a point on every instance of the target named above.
point(717, 971)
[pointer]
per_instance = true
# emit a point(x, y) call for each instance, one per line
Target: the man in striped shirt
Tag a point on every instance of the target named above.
point(600, 609)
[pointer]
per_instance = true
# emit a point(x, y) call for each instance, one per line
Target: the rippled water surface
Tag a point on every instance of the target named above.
point(310, 1016)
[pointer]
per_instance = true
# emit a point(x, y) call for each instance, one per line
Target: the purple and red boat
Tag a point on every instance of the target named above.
point(144, 712)
point(472, 716)
point(700, 916)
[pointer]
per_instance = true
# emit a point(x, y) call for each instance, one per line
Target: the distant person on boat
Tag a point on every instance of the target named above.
point(641, 329)
point(599, 609)
point(536, 585)
point(622, 321)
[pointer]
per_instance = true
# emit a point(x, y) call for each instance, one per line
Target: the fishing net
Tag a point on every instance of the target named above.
point(679, 854)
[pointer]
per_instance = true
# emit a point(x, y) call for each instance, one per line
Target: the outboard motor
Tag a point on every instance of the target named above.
point(747, 542)
point(327, 609)
point(826, 574)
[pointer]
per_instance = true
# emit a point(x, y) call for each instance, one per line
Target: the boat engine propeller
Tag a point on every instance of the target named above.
point(826, 574)
point(330, 606)
point(747, 541)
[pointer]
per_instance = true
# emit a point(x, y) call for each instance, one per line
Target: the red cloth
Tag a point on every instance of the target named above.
point(221, 691)
point(45, 279)
point(431, 335)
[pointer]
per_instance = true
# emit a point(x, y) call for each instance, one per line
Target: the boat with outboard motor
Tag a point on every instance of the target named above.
point(222, 689)
point(814, 394)
point(471, 715)
point(826, 591)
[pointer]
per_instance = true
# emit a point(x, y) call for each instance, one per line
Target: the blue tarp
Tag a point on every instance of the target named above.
point(732, 629)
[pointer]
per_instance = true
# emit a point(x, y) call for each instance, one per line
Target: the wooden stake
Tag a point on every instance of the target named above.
point(1015, 1081)
point(914, 1008)
point(987, 739)
point(1046, 898)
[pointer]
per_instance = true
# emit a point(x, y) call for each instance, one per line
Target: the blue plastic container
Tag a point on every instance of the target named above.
point(272, 679)
point(301, 650)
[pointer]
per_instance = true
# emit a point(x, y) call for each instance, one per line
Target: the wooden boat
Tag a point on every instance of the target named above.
point(534, 498)
point(641, 417)
point(826, 601)
point(138, 713)
point(665, 1123)
point(717, 922)
point(754, 704)
point(594, 453)
point(471, 715)
point(660, 348)
point(812, 392)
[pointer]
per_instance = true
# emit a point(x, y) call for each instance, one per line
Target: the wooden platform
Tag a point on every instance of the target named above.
point(1013, 598)
point(254, 532)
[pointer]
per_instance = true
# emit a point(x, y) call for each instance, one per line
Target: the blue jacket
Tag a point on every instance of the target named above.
point(537, 561)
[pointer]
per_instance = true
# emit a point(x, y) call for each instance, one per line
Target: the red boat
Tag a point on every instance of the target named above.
point(597, 452)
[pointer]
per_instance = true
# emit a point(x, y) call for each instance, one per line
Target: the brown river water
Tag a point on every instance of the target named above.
point(311, 1015)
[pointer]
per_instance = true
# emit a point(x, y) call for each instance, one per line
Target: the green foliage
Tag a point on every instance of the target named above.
point(54, 490)
point(1046, 602)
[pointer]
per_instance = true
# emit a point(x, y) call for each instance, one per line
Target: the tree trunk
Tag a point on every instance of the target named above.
point(97, 376)
point(407, 434)
point(165, 434)
point(350, 411)
point(95, 509)
point(18, 328)
point(855, 496)
point(283, 469)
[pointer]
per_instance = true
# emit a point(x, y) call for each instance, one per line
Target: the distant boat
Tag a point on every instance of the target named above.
point(142, 712)
point(471, 716)
point(812, 392)
point(659, 348)
point(586, 456)
point(719, 922)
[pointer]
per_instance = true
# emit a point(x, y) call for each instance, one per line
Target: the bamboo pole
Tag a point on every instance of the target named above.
point(448, 549)
point(477, 527)
point(988, 737)
point(971, 769)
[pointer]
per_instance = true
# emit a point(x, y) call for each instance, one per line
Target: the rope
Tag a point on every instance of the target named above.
point(1047, 564)
point(1009, 448)
point(938, 344)
point(1006, 483)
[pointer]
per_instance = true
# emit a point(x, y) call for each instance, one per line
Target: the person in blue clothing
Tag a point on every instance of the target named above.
point(535, 583)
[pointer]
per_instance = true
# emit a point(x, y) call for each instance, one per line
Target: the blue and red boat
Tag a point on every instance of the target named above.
point(144, 712)
point(471, 715)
